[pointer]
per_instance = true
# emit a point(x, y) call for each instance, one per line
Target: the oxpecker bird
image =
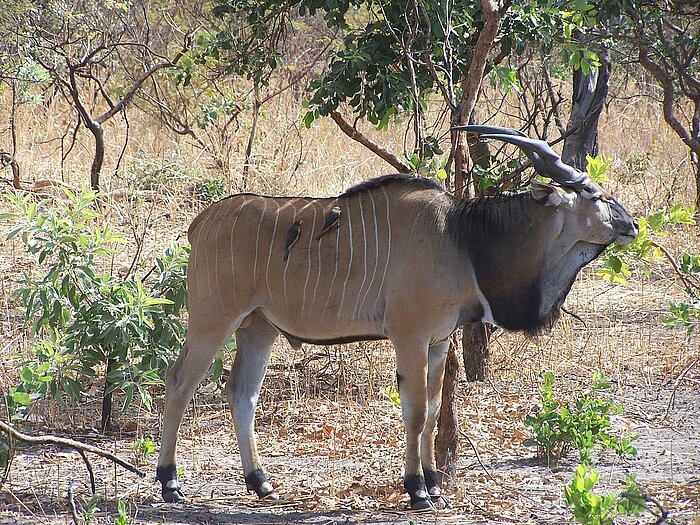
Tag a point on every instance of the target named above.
point(331, 222)
point(292, 237)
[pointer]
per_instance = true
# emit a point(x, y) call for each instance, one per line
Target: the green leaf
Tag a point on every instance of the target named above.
point(309, 119)
point(21, 398)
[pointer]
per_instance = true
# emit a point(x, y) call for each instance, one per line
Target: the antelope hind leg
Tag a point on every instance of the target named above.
point(202, 343)
point(253, 348)
point(437, 357)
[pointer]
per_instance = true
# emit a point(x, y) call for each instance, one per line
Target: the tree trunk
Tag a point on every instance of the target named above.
point(475, 336)
point(588, 99)
point(447, 440)
point(475, 350)
point(97, 161)
point(107, 398)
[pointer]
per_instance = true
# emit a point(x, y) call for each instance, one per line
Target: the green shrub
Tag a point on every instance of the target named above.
point(601, 509)
point(558, 427)
point(644, 248)
point(83, 317)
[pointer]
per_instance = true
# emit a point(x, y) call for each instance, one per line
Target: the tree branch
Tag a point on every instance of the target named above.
point(375, 148)
point(136, 86)
point(66, 442)
point(472, 82)
point(686, 280)
point(668, 99)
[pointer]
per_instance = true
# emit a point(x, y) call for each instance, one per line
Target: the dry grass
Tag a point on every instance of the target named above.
point(325, 430)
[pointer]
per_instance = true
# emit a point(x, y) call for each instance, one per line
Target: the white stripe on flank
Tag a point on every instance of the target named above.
point(355, 311)
point(345, 284)
point(269, 254)
point(318, 277)
point(286, 264)
point(206, 249)
point(257, 247)
point(233, 265)
point(388, 249)
point(196, 247)
point(335, 272)
point(308, 269)
point(376, 251)
point(216, 261)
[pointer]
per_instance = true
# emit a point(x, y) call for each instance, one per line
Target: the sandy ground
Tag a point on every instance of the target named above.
point(340, 464)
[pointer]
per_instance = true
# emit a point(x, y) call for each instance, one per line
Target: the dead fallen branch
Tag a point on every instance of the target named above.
point(81, 448)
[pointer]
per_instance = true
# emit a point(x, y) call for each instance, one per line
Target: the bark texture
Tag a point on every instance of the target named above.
point(588, 99)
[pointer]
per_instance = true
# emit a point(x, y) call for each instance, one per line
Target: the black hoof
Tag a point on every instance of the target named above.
point(422, 504)
point(257, 482)
point(173, 496)
point(272, 496)
point(420, 497)
point(172, 492)
point(431, 481)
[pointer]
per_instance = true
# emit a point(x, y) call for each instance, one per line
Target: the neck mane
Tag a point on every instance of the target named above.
point(480, 221)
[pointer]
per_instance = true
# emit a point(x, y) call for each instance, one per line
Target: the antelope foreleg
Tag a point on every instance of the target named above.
point(412, 376)
point(180, 382)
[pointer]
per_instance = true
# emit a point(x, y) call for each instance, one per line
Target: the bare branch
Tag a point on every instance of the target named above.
point(669, 91)
point(137, 85)
point(472, 82)
point(70, 443)
point(690, 282)
point(375, 148)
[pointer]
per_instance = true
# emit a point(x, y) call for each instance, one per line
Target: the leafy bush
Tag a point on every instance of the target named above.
point(81, 317)
point(558, 427)
point(686, 314)
point(391, 393)
point(594, 509)
point(646, 248)
point(597, 167)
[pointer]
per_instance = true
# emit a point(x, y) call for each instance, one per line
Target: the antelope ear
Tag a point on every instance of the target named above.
point(549, 195)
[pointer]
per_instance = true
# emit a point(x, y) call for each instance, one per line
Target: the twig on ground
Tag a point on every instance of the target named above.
point(88, 465)
point(71, 503)
point(76, 445)
point(478, 458)
point(663, 513)
point(679, 380)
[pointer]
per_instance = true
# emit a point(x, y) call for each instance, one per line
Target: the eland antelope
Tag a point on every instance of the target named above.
point(396, 257)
